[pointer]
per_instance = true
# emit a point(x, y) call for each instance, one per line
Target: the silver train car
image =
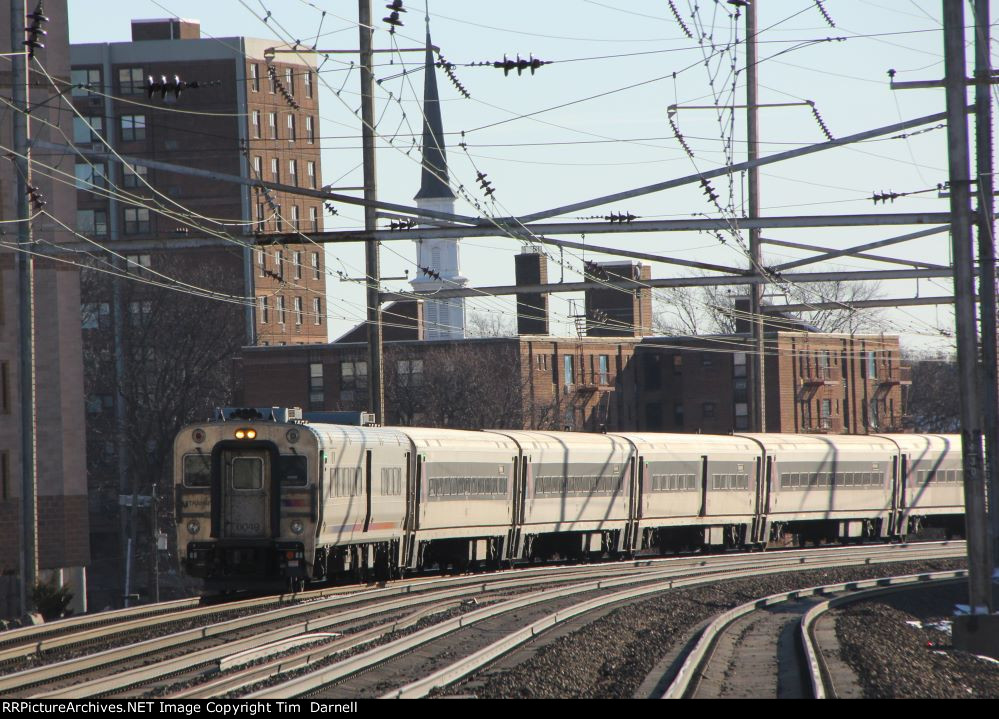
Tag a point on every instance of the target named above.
point(262, 497)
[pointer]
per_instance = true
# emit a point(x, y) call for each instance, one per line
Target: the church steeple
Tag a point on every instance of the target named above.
point(434, 183)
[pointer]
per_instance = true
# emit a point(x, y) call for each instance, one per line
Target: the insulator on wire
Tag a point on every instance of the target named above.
point(393, 20)
point(683, 25)
point(822, 9)
point(406, 224)
point(34, 31)
point(520, 64)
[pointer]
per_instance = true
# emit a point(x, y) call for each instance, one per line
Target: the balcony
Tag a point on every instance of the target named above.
point(818, 377)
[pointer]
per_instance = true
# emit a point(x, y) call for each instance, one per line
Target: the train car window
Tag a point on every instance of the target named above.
point(293, 470)
point(247, 473)
point(197, 470)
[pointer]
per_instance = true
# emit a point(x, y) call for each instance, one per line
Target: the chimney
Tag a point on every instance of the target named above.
point(166, 29)
point(616, 312)
point(531, 268)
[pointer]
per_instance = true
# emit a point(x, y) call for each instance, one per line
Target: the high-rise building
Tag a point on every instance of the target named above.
point(438, 260)
point(62, 535)
point(254, 115)
point(160, 356)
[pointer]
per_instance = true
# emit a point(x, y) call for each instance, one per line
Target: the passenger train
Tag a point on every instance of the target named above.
point(265, 496)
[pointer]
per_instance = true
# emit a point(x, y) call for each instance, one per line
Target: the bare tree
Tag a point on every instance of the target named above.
point(493, 324)
point(712, 309)
point(178, 349)
point(932, 404)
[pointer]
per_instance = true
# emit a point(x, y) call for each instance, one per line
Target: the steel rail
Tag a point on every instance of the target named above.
point(121, 680)
point(697, 659)
point(495, 650)
point(818, 674)
point(361, 662)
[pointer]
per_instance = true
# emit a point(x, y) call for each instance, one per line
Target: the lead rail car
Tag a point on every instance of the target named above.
point(261, 497)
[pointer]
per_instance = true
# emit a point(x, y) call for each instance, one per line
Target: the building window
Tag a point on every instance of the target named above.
point(89, 176)
point(131, 81)
point(258, 166)
point(872, 365)
point(293, 172)
point(298, 311)
point(255, 78)
point(317, 311)
point(603, 362)
point(739, 364)
point(86, 80)
point(740, 390)
point(5, 387)
point(316, 394)
point(291, 127)
point(279, 220)
point(261, 263)
point(279, 263)
point(137, 264)
point(314, 226)
point(315, 265)
point(139, 312)
point(280, 310)
point(307, 79)
point(255, 117)
point(272, 125)
point(296, 257)
point(708, 410)
point(409, 373)
point(741, 415)
point(133, 127)
point(136, 220)
point(260, 217)
point(707, 359)
point(95, 315)
point(310, 170)
point(678, 414)
point(353, 376)
point(567, 374)
point(263, 310)
point(677, 364)
point(272, 77)
point(87, 129)
point(310, 130)
point(275, 169)
point(134, 175)
point(92, 222)
point(289, 80)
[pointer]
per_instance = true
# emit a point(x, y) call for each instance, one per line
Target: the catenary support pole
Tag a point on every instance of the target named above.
point(376, 385)
point(26, 301)
point(753, 201)
point(987, 262)
point(979, 549)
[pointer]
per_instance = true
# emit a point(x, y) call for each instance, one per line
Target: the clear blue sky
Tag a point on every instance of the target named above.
point(597, 118)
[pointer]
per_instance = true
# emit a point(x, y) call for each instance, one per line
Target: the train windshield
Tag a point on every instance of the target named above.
point(197, 470)
point(247, 473)
point(293, 470)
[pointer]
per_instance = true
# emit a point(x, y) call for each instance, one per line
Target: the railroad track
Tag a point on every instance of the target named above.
point(402, 619)
point(768, 648)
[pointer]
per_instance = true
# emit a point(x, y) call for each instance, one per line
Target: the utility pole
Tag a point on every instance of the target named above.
point(376, 384)
point(753, 191)
point(987, 261)
point(26, 301)
point(979, 549)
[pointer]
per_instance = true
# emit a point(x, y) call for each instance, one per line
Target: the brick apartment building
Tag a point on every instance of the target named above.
point(582, 384)
point(815, 383)
point(242, 120)
point(618, 380)
point(254, 115)
point(63, 542)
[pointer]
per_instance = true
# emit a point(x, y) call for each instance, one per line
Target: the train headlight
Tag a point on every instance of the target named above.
point(194, 526)
point(246, 433)
point(292, 436)
point(198, 436)
point(297, 527)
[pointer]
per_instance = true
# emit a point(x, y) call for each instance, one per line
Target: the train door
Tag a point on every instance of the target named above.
point(246, 475)
point(764, 474)
point(704, 486)
point(367, 490)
